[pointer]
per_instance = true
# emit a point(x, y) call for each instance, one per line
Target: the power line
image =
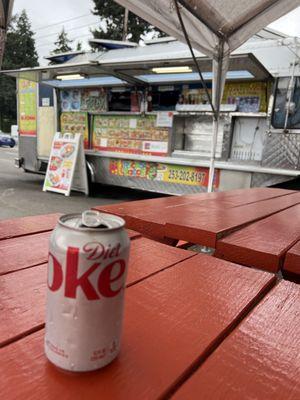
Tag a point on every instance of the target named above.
point(38, 47)
point(67, 31)
point(63, 21)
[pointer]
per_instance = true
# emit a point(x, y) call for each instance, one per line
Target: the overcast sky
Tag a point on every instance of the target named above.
point(48, 18)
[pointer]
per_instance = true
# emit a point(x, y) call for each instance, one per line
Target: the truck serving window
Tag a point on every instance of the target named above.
point(281, 102)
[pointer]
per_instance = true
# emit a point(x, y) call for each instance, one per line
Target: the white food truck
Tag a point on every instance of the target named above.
point(146, 121)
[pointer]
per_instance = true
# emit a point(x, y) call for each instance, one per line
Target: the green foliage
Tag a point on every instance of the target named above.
point(63, 43)
point(112, 16)
point(20, 52)
point(79, 46)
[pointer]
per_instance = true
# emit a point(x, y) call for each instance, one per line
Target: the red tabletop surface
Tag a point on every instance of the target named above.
point(27, 225)
point(259, 359)
point(27, 251)
point(264, 244)
point(23, 252)
point(292, 260)
point(225, 199)
point(201, 221)
point(240, 197)
point(173, 320)
point(22, 300)
point(207, 226)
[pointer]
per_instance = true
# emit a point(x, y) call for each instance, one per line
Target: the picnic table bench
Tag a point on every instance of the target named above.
point(195, 326)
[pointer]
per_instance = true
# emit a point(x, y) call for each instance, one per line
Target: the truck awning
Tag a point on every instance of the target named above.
point(140, 72)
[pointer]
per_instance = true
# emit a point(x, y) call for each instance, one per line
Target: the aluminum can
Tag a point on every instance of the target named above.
point(87, 269)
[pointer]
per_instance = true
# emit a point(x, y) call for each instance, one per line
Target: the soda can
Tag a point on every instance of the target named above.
point(87, 269)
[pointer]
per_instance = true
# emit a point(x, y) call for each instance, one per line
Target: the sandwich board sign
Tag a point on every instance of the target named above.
point(66, 168)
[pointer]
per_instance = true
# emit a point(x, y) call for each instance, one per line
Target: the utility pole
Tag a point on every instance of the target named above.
point(125, 30)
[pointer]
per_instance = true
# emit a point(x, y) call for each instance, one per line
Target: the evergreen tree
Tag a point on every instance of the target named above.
point(63, 43)
point(20, 52)
point(112, 15)
point(79, 46)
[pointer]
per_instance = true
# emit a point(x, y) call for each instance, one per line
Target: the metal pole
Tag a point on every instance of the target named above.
point(217, 93)
point(2, 44)
point(212, 155)
point(125, 30)
point(290, 93)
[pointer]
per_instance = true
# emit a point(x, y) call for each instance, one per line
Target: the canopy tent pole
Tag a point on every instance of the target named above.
point(2, 44)
point(220, 68)
point(5, 15)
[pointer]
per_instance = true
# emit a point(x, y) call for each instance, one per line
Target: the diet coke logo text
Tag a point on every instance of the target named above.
point(72, 280)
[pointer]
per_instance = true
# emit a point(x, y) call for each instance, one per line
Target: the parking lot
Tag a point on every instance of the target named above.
point(21, 193)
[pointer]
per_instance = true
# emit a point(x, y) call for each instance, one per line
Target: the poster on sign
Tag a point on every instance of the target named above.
point(66, 168)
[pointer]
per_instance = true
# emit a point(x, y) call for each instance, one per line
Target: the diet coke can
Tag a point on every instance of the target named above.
point(87, 268)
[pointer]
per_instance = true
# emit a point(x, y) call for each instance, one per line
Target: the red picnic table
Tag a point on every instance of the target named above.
point(192, 324)
point(252, 227)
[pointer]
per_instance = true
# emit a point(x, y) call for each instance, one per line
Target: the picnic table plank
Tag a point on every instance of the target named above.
point(23, 252)
point(206, 227)
point(225, 199)
point(151, 216)
point(15, 227)
point(172, 320)
point(259, 359)
point(30, 250)
point(22, 293)
point(239, 197)
point(291, 266)
point(264, 243)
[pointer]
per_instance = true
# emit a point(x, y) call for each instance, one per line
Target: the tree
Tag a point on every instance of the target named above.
point(79, 46)
point(113, 16)
point(63, 43)
point(20, 52)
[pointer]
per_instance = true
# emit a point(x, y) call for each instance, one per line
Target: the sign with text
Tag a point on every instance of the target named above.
point(66, 168)
point(159, 172)
point(164, 119)
point(27, 95)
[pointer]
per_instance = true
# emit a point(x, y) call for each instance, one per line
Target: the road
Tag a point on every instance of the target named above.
point(21, 193)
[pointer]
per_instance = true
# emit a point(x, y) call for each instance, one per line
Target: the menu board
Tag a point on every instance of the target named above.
point(130, 134)
point(90, 100)
point(178, 174)
point(66, 167)
point(94, 100)
point(27, 107)
point(248, 96)
point(75, 122)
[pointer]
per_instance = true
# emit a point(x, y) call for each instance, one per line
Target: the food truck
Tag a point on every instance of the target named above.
point(146, 121)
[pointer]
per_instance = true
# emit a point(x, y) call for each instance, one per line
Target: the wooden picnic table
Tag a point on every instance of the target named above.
point(183, 312)
point(260, 359)
point(252, 227)
point(291, 268)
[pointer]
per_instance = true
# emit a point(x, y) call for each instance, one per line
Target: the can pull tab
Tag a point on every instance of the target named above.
point(91, 219)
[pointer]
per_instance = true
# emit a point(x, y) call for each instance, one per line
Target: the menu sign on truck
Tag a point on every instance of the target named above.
point(66, 168)
point(75, 122)
point(130, 134)
point(27, 107)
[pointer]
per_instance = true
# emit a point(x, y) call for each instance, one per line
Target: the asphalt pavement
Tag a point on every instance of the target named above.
point(21, 193)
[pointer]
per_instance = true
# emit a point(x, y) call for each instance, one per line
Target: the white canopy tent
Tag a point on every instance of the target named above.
point(214, 27)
